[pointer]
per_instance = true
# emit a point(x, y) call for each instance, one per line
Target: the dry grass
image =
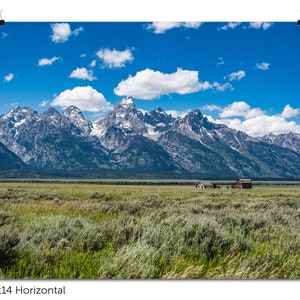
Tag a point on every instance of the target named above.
point(51, 230)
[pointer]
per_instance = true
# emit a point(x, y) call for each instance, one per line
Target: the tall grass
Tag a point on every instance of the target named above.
point(105, 231)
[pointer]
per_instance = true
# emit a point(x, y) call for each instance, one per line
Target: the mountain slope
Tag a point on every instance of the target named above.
point(207, 148)
point(50, 141)
point(288, 140)
point(9, 160)
point(128, 140)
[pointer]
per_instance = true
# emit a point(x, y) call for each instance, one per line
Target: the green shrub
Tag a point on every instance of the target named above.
point(9, 239)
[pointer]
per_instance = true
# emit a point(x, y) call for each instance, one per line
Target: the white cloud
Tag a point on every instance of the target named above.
point(162, 27)
point(77, 30)
point(43, 103)
point(230, 25)
point(240, 109)
point(221, 87)
point(289, 112)
point(253, 121)
point(8, 77)
point(253, 25)
point(262, 125)
point(93, 63)
point(175, 113)
point(260, 25)
point(62, 31)
point(149, 84)
point(236, 75)
point(263, 66)
point(114, 58)
point(48, 61)
point(84, 97)
point(212, 107)
point(83, 73)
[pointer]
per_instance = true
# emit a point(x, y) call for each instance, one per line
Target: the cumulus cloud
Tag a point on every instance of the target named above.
point(114, 58)
point(240, 109)
point(262, 125)
point(48, 61)
point(289, 112)
point(263, 66)
point(84, 97)
point(162, 27)
point(236, 75)
point(260, 25)
point(8, 77)
point(62, 31)
point(255, 122)
point(83, 73)
point(149, 84)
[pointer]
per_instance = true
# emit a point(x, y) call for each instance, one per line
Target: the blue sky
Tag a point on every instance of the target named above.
point(241, 74)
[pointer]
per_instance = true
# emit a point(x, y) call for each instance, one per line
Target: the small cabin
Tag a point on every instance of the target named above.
point(243, 184)
point(206, 185)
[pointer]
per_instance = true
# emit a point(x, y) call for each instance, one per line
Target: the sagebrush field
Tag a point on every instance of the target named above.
point(64, 231)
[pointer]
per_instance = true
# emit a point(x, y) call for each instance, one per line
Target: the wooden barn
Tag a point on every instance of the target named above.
point(206, 185)
point(243, 184)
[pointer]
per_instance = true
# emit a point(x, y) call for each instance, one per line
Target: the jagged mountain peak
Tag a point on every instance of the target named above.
point(73, 112)
point(129, 139)
point(159, 110)
point(158, 121)
point(124, 119)
point(289, 140)
point(19, 115)
point(19, 110)
point(194, 115)
point(76, 117)
point(72, 108)
point(127, 101)
point(124, 110)
point(51, 111)
point(198, 122)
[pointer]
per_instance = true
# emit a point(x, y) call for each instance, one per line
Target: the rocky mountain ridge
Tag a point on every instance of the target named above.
point(152, 142)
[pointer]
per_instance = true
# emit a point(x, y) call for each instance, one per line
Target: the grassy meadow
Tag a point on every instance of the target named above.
point(69, 230)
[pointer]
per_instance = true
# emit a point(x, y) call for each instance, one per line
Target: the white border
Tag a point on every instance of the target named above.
point(154, 289)
point(150, 10)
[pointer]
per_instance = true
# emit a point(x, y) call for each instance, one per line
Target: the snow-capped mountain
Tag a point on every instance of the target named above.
point(150, 143)
point(157, 121)
point(122, 122)
point(202, 146)
point(76, 117)
point(50, 140)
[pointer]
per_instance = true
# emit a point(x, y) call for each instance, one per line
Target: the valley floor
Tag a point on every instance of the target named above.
point(87, 230)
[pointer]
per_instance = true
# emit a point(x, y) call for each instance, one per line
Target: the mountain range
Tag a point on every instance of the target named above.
point(129, 142)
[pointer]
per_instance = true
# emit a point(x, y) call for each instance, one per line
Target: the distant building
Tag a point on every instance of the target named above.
point(206, 185)
point(242, 184)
